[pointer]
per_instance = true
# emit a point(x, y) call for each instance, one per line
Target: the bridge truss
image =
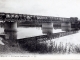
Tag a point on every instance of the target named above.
point(33, 18)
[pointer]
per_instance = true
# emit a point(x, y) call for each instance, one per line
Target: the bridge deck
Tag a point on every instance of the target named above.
point(33, 18)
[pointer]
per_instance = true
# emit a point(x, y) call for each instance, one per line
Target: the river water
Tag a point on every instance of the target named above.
point(23, 32)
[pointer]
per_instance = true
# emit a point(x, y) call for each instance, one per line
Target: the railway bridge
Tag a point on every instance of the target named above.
point(10, 23)
point(11, 19)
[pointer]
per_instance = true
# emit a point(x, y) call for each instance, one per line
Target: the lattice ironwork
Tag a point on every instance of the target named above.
point(35, 18)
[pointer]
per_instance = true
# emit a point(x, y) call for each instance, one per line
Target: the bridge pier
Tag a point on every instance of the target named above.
point(10, 26)
point(47, 28)
point(10, 29)
point(66, 26)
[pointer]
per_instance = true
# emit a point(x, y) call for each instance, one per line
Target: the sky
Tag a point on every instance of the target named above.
point(57, 8)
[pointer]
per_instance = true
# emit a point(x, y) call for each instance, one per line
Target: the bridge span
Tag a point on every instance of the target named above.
point(10, 23)
point(47, 22)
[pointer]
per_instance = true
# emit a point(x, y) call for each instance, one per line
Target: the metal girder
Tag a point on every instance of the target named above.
point(35, 18)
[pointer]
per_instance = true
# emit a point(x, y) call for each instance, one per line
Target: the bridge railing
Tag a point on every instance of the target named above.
point(35, 18)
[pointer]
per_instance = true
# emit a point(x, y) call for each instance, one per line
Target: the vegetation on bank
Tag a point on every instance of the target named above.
point(41, 48)
point(50, 47)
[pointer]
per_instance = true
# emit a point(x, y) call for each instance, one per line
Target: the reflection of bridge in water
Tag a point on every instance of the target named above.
point(10, 24)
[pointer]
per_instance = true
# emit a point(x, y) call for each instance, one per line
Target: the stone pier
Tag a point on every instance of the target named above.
point(66, 26)
point(10, 29)
point(47, 28)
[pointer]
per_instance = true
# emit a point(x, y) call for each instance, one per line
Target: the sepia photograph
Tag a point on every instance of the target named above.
point(39, 28)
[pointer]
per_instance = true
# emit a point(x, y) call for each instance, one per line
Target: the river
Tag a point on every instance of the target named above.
point(23, 32)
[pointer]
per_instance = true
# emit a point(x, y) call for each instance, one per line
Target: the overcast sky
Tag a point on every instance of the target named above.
point(58, 8)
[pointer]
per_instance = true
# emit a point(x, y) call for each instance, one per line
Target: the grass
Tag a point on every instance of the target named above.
point(42, 47)
point(53, 47)
point(50, 47)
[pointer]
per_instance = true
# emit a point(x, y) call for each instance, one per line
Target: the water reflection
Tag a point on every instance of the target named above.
point(11, 37)
point(23, 32)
